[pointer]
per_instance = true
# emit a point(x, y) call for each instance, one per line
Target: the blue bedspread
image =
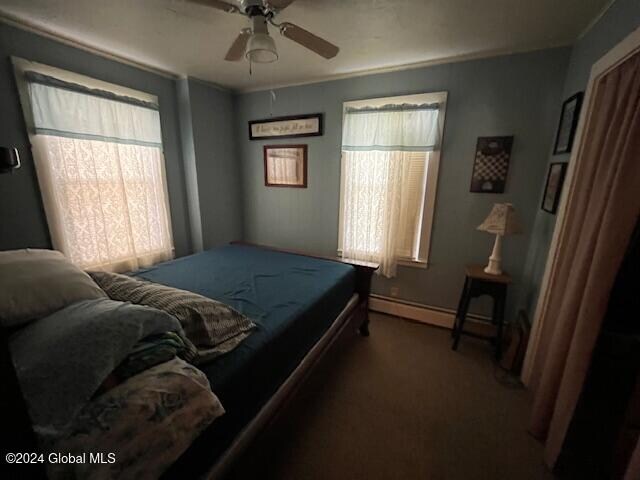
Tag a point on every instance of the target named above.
point(293, 300)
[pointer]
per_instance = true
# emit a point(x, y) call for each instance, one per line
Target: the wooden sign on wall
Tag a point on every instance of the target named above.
point(286, 127)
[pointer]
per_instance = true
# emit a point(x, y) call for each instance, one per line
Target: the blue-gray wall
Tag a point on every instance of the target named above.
point(190, 167)
point(510, 95)
point(218, 169)
point(619, 21)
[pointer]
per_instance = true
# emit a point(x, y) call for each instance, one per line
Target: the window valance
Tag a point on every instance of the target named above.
point(404, 127)
point(65, 109)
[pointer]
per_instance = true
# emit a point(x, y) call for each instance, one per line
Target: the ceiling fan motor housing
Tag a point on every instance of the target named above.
point(253, 7)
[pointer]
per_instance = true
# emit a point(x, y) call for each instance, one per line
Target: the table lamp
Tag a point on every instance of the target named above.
point(501, 221)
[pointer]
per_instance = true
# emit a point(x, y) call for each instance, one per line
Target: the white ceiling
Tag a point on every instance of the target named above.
point(189, 39)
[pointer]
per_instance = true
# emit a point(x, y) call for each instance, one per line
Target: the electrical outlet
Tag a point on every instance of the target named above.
point(395, 291)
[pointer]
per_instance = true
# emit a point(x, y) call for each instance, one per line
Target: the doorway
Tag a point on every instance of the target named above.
point(595, 224)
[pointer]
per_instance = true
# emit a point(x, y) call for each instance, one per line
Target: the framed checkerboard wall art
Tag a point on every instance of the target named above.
point(491, 164)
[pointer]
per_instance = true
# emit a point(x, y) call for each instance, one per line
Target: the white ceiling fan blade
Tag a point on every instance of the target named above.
point(309, 40)
point(239, 46)
point(279, 4)
point(219, 5)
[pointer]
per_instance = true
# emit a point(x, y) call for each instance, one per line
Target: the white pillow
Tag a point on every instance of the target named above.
point(35, 283)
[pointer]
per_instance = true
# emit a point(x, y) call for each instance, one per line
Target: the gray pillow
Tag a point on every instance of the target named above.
point(36, 283)
point(212, 326)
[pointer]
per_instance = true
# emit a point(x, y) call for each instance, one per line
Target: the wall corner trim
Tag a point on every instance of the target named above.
point(596, 19)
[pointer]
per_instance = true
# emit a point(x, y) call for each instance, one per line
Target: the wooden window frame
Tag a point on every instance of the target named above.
point(421, 260)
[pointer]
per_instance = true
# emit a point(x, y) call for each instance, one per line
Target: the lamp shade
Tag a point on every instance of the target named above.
point(501, 220)
point(261, 49)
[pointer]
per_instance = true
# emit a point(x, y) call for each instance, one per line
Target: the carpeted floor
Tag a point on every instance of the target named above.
point(401, 405)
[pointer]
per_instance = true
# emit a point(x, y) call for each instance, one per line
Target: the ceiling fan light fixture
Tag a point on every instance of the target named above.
point(261, 49)
point(254, 41)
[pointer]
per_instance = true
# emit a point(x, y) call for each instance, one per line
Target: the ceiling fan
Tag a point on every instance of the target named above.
point(254, 42)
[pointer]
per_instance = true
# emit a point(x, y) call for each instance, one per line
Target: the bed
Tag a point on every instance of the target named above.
point(299, 303)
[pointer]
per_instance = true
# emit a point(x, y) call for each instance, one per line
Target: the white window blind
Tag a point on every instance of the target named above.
point(101, 171)
point(385, 159)
point(412, 203)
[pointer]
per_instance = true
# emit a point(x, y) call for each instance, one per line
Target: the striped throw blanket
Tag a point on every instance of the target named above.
point(213, 327)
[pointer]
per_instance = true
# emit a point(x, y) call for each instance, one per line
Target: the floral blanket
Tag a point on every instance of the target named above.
point(142, 425)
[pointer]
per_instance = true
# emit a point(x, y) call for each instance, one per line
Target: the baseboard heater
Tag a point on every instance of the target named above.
point(436, 316)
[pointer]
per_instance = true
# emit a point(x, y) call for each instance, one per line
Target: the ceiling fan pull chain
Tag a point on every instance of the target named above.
point(272, 100)
point(272, 93)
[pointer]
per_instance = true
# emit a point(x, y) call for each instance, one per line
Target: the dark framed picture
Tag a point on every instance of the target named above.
point(285, 166)
point(555, 179)
point(491, 164)
point(295, 126)
point(568, 124)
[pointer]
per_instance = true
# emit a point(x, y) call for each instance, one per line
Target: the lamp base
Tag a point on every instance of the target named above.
point(495, 260)
point(493, 268)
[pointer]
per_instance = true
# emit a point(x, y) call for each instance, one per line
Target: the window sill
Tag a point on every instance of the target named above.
point(408, 262)
point(405, 262)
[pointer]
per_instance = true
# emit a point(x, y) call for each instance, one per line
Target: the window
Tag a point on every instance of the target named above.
point(390, 156)
point(99, 160)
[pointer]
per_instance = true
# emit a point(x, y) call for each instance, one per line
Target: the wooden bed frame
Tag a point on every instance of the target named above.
point(353, 317)
point(18, 435)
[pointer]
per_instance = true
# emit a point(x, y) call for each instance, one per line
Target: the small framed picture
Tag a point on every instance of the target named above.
point(555, 179)
point(491, 164)
point(568, 124)
point(285, 166)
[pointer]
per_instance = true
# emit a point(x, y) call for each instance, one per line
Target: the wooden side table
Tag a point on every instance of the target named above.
point(478, 283)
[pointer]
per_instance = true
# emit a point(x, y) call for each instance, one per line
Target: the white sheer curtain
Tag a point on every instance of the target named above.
point(384, 161)
point(101, 172)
